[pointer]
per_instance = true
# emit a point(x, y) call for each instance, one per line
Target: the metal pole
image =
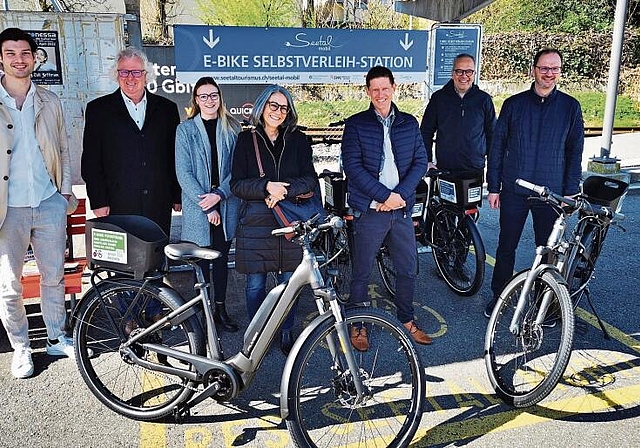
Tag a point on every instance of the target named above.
point(612, 86)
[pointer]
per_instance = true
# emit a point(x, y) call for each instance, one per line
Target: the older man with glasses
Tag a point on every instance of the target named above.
point(462, 117)
point(128, 161)
point(539, 137)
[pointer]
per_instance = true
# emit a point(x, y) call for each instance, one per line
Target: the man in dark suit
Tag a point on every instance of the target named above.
point(128, 158)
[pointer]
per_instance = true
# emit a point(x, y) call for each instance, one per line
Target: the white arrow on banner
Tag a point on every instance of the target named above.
point(406, 44)
point(211, 42)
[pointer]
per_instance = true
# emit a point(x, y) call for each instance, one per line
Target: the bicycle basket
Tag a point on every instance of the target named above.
point(463, 190)
point(127, 243)
point(605, 191)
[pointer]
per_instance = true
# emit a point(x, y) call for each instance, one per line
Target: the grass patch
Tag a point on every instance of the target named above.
point(593, 103)
point(321, 113)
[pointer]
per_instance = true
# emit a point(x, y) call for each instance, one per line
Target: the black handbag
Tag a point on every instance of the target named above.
point(301, 208)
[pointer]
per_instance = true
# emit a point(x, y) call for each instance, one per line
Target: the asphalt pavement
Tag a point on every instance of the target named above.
point(597, 404)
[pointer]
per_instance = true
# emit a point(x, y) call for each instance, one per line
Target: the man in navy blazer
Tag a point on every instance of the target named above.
point(128, 158)
point(384, 159)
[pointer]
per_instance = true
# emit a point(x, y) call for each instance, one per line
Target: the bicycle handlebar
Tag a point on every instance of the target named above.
point(304, 227)
point(576, 204)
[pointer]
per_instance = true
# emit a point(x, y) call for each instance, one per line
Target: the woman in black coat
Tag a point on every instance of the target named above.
point(286, 159)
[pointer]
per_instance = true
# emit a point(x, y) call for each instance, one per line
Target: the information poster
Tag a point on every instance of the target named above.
point(48, 68)
point(448, 41)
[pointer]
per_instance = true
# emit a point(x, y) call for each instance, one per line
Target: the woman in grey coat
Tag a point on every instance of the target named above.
point(204, 152)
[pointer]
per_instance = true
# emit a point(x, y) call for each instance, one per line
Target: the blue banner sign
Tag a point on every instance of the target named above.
point(448, 41)
point(249, 55)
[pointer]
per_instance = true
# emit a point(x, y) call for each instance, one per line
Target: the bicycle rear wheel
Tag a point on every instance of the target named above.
point(525, 367)
point(323, 411)
point(386, 269)
point(104, 323)
point(458, 251)
point(582, 265)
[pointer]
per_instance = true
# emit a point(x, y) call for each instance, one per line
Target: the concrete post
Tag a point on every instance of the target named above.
point(606, 164)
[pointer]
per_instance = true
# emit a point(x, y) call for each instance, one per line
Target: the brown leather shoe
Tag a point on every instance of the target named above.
point(417, 334)
point(359, 338)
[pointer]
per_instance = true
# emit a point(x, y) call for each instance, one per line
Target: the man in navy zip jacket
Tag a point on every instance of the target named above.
point(539, 137)
point(384, 159)
point(462, 117)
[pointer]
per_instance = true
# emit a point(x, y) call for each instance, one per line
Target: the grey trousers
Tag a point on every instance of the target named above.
point(44, 227)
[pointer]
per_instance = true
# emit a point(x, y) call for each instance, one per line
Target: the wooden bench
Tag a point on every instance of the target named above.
point(72, 280)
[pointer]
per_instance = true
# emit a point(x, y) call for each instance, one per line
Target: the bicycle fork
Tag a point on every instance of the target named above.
point(328, 296)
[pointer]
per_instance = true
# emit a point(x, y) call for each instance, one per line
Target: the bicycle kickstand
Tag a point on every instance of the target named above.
point(595, 313)
point(180, 412)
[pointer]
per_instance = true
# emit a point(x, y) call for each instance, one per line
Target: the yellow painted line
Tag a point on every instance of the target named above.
point(614, 332)
point(517, 418)
point(152, 435)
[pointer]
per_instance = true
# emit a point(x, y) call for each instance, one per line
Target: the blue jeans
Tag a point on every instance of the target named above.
point(514, 210)
point(395, 229)
point(255, 294)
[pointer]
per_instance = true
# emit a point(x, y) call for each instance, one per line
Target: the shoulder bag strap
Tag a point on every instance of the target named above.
point(255, 146)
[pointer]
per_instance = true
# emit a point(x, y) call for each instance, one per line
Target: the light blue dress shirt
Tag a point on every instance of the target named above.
point(29, 182)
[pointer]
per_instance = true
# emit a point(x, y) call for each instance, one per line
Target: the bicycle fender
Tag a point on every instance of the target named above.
point(473, 228)
point(295, 350)
point(551, 269)
point(166, 291)
point(90, 293)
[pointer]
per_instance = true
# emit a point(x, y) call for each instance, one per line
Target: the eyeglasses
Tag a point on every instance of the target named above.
point(545, 70)
point(205, 96)
point(136, 73)
point(275, 106)
point(460, 72)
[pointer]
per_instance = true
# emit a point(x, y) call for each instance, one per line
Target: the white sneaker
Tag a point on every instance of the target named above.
point(22, 364)
point(64, 347)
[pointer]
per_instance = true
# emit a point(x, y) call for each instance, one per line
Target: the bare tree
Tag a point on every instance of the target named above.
point(157, 17)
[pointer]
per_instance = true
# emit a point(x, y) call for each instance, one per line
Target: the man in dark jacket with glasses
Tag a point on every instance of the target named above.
point(539, 137)
point(462, 118)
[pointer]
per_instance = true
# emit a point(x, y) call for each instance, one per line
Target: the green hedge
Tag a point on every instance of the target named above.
point(507, 56)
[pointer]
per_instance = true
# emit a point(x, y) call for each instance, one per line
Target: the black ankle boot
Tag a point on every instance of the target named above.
point(286, 341)
point(223, 320)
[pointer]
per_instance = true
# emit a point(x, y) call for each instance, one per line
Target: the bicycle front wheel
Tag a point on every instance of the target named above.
point(323, 406)
point(107, 320)
point(458, 252)
point(525, 367)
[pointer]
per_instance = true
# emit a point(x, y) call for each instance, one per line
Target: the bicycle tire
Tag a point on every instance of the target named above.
point(124, 387)
point(322, 410)
point(337, 252)
point(582, 264)
point(386, 269)
point(458, 251)
point(524, 368)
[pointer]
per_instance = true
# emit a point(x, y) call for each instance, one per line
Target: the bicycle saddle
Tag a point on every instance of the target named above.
point(189, 251)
